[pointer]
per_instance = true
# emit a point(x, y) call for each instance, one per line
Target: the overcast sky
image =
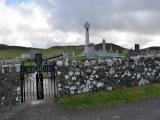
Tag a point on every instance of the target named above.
point(46, 23)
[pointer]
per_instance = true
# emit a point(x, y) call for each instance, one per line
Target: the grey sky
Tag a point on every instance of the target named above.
point(124, 22)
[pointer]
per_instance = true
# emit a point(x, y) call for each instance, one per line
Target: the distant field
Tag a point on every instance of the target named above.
point(10, 52)
point(58, 50)
point(13, 53)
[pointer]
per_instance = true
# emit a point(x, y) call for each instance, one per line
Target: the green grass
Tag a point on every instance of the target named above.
point(105, 98)
point(13, 53)
point(29, 63)
point(78, 57)
point(58, 50)
point(17, 52)
point(85, 57)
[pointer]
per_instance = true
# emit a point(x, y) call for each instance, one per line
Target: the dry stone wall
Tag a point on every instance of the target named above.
point(9, 84)
point(75, 76)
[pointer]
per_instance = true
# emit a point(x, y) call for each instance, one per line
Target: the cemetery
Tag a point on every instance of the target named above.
point(89, 49)
point(59, 76)
point(79, 60)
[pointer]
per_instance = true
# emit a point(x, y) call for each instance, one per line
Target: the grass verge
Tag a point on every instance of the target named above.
point(104, 98)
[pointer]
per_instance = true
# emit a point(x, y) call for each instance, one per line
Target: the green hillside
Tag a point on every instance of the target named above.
point(10, 52)
point(59, 49)
point(108, 47)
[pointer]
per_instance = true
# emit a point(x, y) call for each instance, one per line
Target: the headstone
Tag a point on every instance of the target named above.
point(86, 26)
point(111, 47)
point(104, 45)
point(91, 50)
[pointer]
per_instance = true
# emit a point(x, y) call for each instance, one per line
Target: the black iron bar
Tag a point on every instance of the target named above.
point(32, 89)
point(27, 89)
point(24, 91)
point(46, 87)
point(52, 94)
point(54, 84)
point(22, 80)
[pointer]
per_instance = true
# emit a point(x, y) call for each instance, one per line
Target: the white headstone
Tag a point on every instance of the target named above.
point(86, 26)
point(104, 45)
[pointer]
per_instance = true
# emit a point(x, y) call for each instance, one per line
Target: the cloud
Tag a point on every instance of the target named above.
point(45, 23)
point(138, 20)
point(27, 25)
point(122, 15)
point(20, 23)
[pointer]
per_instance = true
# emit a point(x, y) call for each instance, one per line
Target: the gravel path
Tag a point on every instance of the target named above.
point(145, 110)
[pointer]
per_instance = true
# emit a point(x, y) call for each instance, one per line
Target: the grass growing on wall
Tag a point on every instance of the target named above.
point(85, 57)
point(29, 63)
point(104, 98)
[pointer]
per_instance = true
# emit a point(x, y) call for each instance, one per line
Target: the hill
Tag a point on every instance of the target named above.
point(111, 45)
point(4, 47)
point(10, 52)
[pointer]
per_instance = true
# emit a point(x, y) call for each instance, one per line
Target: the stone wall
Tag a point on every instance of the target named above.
point(75, 76)
point(9, 84)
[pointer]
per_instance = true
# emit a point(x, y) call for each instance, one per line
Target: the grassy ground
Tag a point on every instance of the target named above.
point(104, 98)
point(58, 50)
point(17, 52)
point(13, 53)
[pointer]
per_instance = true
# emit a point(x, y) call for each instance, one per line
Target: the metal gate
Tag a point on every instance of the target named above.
point(38, 81)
